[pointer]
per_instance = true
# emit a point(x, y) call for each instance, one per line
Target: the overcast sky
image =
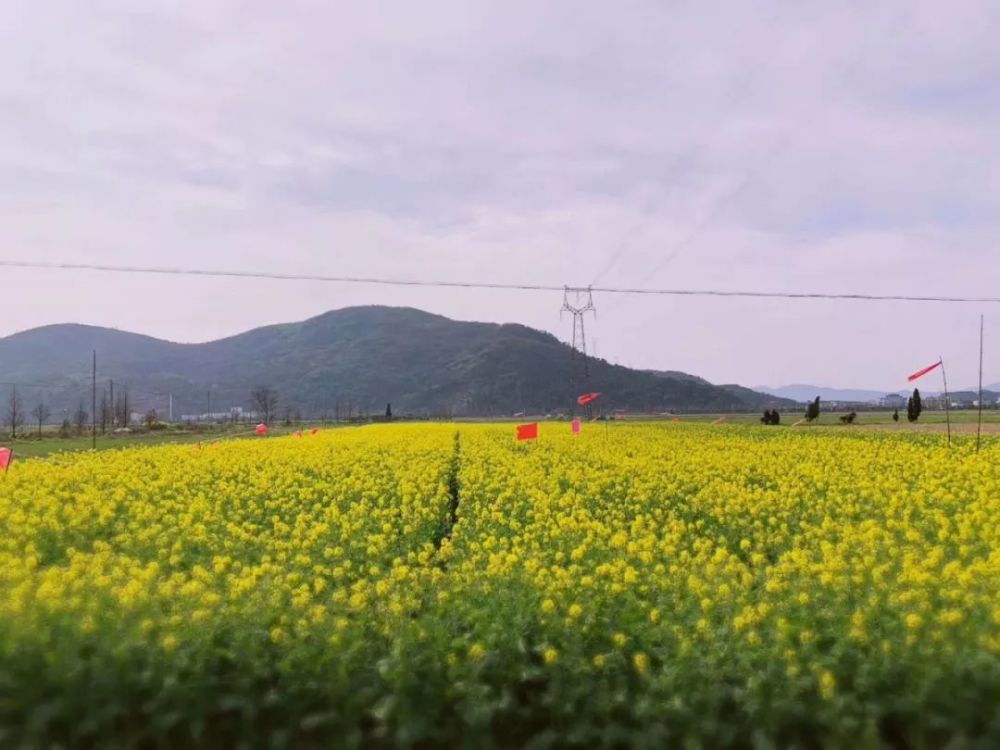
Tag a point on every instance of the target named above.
point(806, 146)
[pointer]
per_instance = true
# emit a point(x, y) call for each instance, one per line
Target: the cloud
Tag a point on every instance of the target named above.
point(828, 147)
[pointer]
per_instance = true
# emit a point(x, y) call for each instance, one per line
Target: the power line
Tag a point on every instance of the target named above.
point(373, 280)
point(582, 302)
point(713, 212)
point(274, 276)
point(755, 170)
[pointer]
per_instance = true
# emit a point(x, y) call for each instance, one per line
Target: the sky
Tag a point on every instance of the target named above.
point(775, 146)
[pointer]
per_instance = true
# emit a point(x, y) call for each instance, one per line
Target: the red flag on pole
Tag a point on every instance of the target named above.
point(527, 431)
point(6, 457)
point(576, 426)
point(586, 398)
point(923, 372)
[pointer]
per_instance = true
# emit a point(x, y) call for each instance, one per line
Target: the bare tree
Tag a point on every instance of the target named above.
point(15, 412)
point(265, 401)
point(151, 419)
point(121, 409)
point(40, 413)
point(104, 412)
point(80, 417)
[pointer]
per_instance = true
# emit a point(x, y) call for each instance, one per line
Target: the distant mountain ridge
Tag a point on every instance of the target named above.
point(801, 392)
point(753, 398)
point(364, 357)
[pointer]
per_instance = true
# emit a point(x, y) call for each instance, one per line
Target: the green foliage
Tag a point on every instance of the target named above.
point(914, 406)
point(747, 582)
point(812, 411)
point(361, 358)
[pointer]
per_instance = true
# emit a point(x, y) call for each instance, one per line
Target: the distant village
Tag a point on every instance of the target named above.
point(960, 400)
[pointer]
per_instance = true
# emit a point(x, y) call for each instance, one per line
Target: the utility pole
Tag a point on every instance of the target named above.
point(208, 414)
point(578, 301)
point(979, 424)
point(93, 404)
point(947, 400)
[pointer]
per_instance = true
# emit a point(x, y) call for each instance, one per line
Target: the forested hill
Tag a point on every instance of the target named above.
point(362, 356)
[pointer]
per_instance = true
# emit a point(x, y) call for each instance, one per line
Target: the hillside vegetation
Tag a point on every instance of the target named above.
point(364, 357)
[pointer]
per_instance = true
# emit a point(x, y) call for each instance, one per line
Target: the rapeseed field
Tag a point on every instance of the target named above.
point(433, 585)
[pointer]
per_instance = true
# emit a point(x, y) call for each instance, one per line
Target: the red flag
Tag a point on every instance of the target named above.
point(527, 431)
point(586, 398)
point(576, 426)
point(6, 457)
point(262, 429)
point(926, 370)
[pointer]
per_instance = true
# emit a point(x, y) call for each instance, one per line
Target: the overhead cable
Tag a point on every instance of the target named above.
point(441, 283)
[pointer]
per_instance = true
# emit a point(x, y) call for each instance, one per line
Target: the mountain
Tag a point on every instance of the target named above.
point(759, 400)
point(751, 398)
point(802, 393)
point(362, 356)
point(678, 375)
point(992, 387)
point(971, 396)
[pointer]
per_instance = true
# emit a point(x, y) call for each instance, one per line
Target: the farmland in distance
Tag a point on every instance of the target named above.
point(654, 583)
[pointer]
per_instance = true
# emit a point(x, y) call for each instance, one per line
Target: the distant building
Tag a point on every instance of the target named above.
point(236, 414)
point(892, 401)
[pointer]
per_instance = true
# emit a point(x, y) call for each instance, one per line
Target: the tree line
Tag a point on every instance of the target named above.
point(113, 412)
point(914, 408)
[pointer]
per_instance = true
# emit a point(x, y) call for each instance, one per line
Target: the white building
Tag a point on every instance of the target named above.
point(235, 414)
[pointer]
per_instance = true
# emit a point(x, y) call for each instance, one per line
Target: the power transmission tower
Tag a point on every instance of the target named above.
point(578, 301)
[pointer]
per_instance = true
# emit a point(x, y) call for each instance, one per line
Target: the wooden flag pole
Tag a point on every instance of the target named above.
point(93, 405)
point(979, 425)
point(947, 400)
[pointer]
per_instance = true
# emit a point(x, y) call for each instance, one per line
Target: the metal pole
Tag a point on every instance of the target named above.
point(947, 399)
point(93, 405)
point(979, 426)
